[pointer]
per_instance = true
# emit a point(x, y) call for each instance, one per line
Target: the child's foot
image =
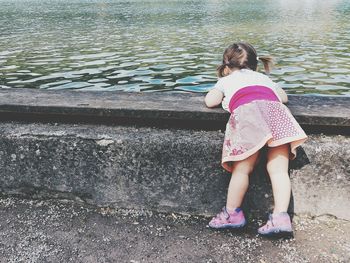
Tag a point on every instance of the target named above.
point(278, 225)
point(227, 219)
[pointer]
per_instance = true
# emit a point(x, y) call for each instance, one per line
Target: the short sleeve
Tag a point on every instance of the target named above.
point(219, 86)
point(275, 85)
point(272, 84)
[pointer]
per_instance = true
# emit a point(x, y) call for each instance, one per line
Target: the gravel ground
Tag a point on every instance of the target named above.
point(66, 231)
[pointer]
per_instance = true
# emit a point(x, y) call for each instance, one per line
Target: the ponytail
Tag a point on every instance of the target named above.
point(268, 63)
point(242, 55)
point(220, 71)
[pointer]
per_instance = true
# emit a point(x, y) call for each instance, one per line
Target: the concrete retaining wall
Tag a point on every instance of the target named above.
point(168, 167)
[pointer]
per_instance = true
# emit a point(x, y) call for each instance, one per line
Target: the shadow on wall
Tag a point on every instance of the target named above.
point(259, 198)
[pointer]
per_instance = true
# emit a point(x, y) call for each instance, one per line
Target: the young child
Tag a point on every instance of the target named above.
point(258, 118)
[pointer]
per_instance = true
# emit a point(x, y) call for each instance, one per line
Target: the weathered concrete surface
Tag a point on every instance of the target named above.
point(119, 166)
point(325, 182)
point(161, 169)
point(52, 231)
point(310, 111)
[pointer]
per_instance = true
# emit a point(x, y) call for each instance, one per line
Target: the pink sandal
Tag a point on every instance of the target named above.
point(227, 219)
point(278, 225)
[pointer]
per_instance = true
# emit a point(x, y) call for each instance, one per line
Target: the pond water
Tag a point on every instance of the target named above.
point(171, 45)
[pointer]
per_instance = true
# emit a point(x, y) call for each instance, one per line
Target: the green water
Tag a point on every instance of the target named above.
point(170, 45)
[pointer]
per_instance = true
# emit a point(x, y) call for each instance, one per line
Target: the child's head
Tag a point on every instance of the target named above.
point(239, 56)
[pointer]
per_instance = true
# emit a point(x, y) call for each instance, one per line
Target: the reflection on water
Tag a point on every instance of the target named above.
point(159, 45)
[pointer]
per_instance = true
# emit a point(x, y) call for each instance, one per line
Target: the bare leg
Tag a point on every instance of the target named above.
point(239, 181)
point(277, 167)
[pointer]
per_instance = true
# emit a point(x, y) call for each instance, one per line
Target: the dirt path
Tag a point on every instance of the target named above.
point(63, 231)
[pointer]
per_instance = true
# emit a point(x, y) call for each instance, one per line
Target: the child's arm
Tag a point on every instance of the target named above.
point(213, 98)
point(282, 94)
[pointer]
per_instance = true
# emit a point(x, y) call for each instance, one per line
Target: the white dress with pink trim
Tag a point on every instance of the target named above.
point(258, 118)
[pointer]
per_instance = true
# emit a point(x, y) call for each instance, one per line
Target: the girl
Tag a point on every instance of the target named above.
point(258, 118)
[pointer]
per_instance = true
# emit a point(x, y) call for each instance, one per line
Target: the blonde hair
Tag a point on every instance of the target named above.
point(242, 55)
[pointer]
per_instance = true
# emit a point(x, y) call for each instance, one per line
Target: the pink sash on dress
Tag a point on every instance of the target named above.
point(251, 93)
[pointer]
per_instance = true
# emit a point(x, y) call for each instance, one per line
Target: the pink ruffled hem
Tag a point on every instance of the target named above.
point(253, 125)
point(294, 142)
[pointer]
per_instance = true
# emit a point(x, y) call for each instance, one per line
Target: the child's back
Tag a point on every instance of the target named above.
point(238, 79)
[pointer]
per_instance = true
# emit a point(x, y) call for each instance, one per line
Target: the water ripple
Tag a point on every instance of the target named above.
point(170, 46)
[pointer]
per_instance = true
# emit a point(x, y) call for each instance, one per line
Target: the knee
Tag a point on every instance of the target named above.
point(242, 169)
point(273, 168)
point(245, 166)
point(277, 159)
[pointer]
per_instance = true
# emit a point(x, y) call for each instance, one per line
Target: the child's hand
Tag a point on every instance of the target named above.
point(213, 98)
